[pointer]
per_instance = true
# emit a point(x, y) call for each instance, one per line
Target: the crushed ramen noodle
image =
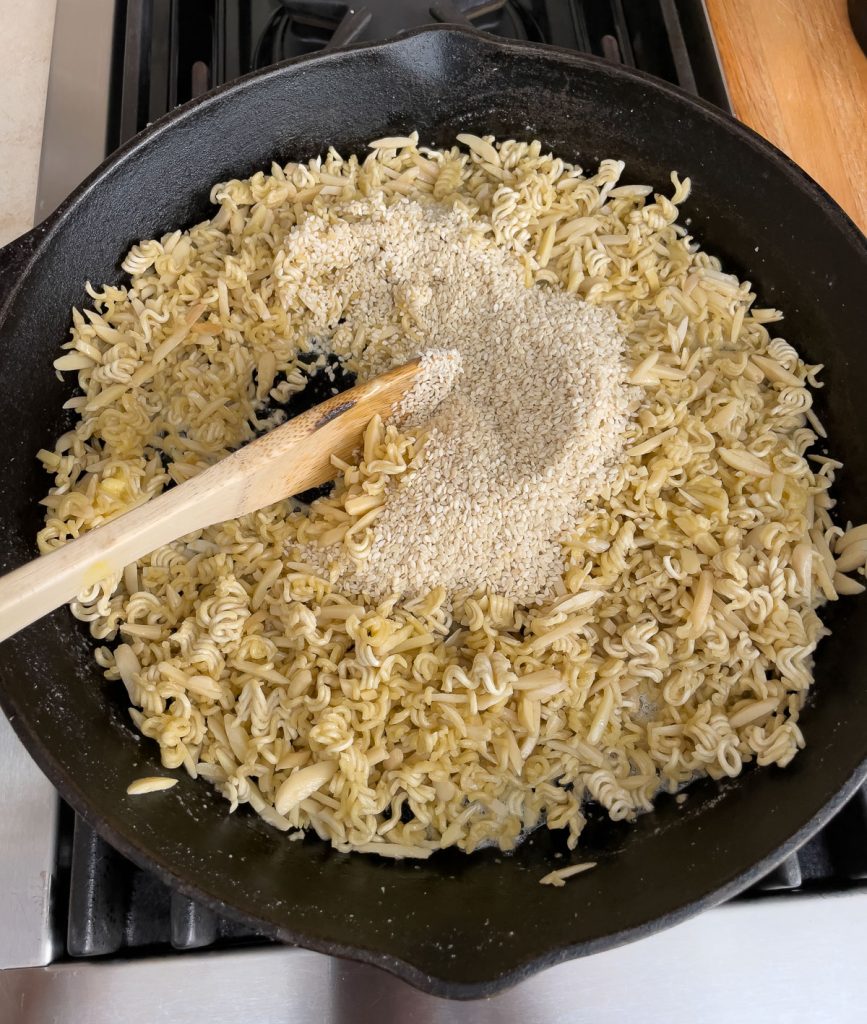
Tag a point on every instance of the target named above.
point(672, 634)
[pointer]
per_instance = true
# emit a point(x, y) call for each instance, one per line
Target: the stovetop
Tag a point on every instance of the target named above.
point(146, 56)
point(107, 906)
point(93, 907)
point(173, 51)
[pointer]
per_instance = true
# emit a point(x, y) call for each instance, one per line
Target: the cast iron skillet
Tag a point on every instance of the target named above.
point(455, 925)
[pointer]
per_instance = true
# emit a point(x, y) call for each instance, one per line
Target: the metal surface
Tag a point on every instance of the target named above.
point(73, 144)
point(78, 100)
point(458, 925)
point(28, 838)
point(745, 962)
point(117, 909)
point(80, 107)
point(691, 965)
point(76, 121)
point(704, 54)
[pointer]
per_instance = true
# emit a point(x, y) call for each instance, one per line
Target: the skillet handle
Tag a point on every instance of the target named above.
point(14, 258)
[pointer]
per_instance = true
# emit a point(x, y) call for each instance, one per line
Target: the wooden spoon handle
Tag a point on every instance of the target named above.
point(284, 462)
point(44, 584)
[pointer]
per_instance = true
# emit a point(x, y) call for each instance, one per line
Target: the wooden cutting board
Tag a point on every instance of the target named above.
point(798, 76)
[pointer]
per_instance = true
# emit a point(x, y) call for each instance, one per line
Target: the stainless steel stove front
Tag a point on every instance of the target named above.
point(797, 960)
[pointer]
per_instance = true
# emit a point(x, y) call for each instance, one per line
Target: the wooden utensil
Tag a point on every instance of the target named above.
point(283, 462)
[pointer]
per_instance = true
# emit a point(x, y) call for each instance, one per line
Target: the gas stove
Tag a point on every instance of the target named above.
point(85, 935)
point(144, 57)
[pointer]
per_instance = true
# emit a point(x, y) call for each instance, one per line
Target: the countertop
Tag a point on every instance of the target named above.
point(797, 75)
point(25, 54)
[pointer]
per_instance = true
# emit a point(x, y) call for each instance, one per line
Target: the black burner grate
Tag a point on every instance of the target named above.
point(109, 907)
point(168, 51)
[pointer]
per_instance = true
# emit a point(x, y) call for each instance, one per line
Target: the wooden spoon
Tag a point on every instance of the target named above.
point(283, 462)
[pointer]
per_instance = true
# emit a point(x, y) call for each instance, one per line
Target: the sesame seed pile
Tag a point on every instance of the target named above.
point(532, 428)
point(437, 375)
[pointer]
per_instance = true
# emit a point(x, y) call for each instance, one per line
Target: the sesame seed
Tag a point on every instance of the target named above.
point(517, 442)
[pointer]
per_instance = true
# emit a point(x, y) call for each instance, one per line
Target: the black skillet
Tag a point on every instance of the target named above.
point(455, 925)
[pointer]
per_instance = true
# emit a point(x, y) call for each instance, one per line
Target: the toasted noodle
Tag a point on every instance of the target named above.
point(559, 877)
point(586, 564)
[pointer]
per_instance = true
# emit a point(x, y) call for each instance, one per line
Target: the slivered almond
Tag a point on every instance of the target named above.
point(853, 556)
point(745, 461)
point(776, 373)
point(303, 783)
point(150, 784)
point(846, 586)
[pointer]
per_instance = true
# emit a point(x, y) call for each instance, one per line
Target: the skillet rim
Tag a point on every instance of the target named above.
point(21, 254)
